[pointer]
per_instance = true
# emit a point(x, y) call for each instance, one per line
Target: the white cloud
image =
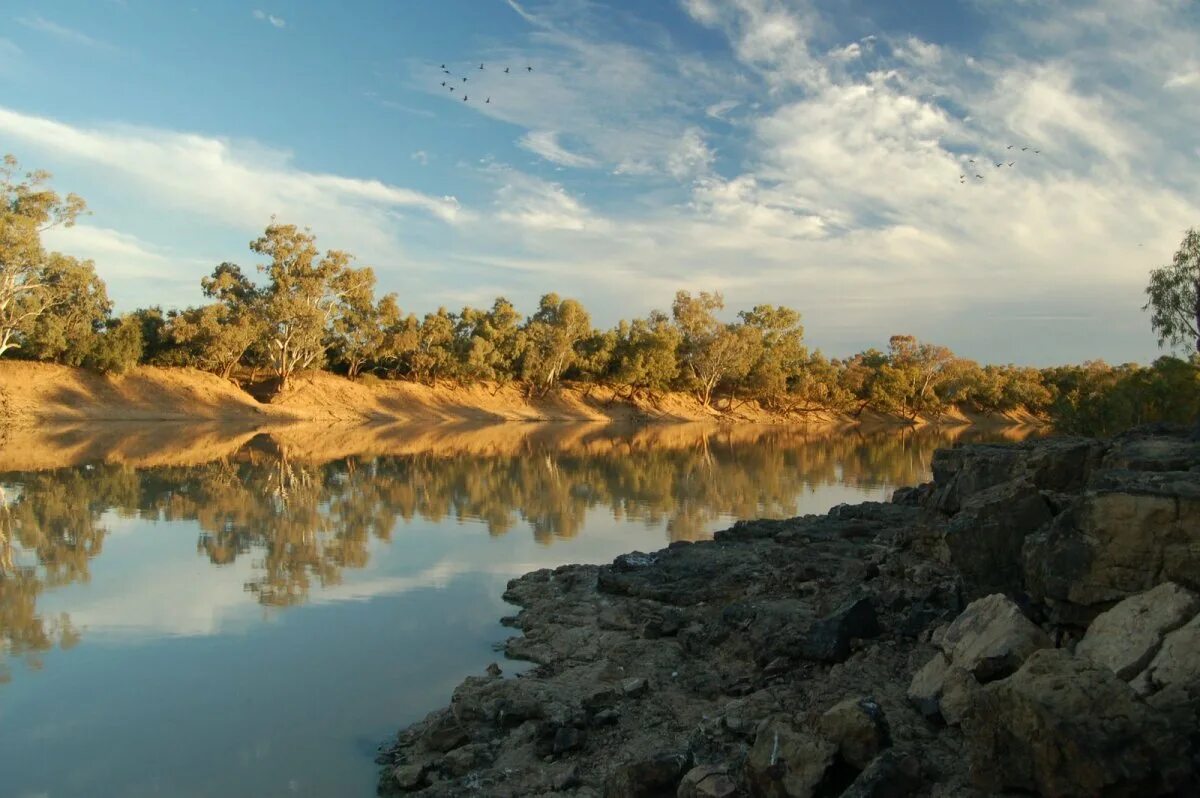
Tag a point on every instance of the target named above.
point(544, 143)
point(241, 184)
point(539, 205)
point(1183, 80)
point(62, 32)
point(278, 22)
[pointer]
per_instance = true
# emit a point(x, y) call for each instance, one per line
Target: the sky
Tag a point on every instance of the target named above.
point(798, 152)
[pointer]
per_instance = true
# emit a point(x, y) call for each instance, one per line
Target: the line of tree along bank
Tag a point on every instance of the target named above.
point(307, 309)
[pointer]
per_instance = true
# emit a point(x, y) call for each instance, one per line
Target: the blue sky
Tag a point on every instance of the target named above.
point(804, 152)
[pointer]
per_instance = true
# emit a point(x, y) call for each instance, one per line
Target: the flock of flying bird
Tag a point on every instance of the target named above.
point(449, 83)
point(963, 177)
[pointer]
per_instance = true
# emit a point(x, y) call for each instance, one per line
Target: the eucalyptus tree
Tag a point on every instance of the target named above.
point(645, 353)
point(490, 342)
point(359, 332)
point(552, 336)
point(32, 282)
point(778, 351)
point(217, 336)
point(1174, 296)
point(305, 293)
point(710, 352)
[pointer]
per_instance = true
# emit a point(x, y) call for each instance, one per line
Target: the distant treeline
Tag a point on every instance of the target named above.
point(313, 310)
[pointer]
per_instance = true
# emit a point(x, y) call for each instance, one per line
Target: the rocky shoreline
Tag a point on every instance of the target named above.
point(1027, 623)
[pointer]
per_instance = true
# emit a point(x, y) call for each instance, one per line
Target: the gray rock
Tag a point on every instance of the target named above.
point(1126, 638)
point(788, 763)
point(889, 775)
point(409, 777)
point(634, 688)
point(925, 690)
point(985, 539)
point(991, 638)
point(655, 775)
point(828, 640)
point(707, 781)
point(1127, 533)
point(1177, 663)
point(1064, 726)
point(444, 734)
point(858, 728)
point(958, 692)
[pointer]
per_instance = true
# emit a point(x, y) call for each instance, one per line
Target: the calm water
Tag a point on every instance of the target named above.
point(251, 614)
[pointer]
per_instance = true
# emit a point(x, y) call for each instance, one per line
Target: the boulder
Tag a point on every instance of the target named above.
point(1126, 638)
point(1127, 533)
point(991, 638)
point(788, 763)
point(707, 781)
point(925, 690)
point(963, 471)
point(828, 639)
point(1177, 663)
point(985, 539)
point(1063, 726)
point(444, 733)
point(858, 728)
point(409, 777)
point(958, 692)
point(658, 774)
point(889, 775)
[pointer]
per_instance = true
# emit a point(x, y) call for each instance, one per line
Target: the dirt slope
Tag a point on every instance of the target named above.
point(32, 393)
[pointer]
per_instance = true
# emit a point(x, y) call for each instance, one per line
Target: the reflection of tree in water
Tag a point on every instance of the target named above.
point(302, 523)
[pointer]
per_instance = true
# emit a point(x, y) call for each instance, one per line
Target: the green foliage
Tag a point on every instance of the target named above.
point(28, 274)
point(552, 335)
point(117, 349)
point(645, 353)
point(75, 310)
point(1097, 399)
point(711, 353)
point(1173, 296)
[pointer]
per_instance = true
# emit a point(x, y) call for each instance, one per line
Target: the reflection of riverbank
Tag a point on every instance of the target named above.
point(185, 443)
point(294, 509)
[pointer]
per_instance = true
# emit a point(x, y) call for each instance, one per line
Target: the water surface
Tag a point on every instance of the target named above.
point(243, 613)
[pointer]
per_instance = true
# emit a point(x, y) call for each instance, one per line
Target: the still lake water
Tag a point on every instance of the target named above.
point(251, 614)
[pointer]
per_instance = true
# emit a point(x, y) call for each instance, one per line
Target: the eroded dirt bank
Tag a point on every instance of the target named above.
point(31, 393)
point(1028, 623)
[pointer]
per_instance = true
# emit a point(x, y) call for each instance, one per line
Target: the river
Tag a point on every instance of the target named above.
point(195, 612)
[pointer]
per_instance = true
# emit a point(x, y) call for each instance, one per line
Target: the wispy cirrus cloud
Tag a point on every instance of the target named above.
point(64, 33)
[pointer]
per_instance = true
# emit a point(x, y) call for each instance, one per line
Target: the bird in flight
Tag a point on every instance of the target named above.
point(528, 69)
point(999, 165)
point(464, 80)
point(980, 177)
point(970, 160)
point(443, 66)
point(506, 70)
point(1010, 163)
point(464, 98)
point(1023, 149)
point(488, 100)
point(1037, 152)
point(481, 66)
point(443, 83)
point(451, 88)
point(1009, 147)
